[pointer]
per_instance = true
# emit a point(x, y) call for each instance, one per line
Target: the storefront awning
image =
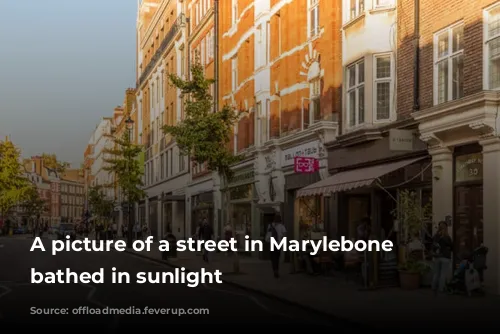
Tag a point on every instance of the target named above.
point(352, 179)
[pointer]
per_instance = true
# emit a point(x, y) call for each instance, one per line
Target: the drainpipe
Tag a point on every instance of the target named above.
point(416, 65)
point(216, 55)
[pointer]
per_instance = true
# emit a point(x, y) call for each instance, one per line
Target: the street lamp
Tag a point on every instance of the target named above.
point(129, 123)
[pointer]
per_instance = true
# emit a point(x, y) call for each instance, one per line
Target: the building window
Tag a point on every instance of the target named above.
point(357, 8)
point(183, 61)
point(234, 70)
point(356, 93)
point(313, 18)
point(315, 97)
point(263, 120)
point(383, 87)
point(492, 41)
point(384, 3)
point(448, 65)
point(182, 163)
point(234, 12)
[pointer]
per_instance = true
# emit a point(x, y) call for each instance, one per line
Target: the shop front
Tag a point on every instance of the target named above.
point(364, 186)
point(202, 207)
point(241, 195)
point(464, 143)
point(153, 218)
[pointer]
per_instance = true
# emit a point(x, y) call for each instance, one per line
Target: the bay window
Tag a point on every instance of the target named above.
point(383, 90)
point(355, 101)
point(448, 65)
point(492, 43)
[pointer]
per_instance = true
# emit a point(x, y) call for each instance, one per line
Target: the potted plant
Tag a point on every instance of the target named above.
point(412, 217)
point(410, 273)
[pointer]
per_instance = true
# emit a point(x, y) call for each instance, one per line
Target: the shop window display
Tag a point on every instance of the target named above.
point(242, 216)
point(311, 223)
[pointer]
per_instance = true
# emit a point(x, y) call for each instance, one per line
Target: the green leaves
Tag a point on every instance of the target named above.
point(14, 186)
point(101, 206)
point(125, 165)
point(50, 161)
point(33, 204)
point(204, 135)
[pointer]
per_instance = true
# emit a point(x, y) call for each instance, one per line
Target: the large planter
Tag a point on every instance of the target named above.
point(409, 280)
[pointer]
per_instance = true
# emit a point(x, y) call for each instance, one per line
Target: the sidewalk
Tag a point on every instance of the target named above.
point(384, 308)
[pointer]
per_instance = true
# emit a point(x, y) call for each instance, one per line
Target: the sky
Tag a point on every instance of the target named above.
point(64, 64)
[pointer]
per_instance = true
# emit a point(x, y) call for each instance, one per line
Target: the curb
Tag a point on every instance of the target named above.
point(262, 293)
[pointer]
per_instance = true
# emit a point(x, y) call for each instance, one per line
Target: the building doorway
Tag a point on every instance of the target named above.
point(468, 226)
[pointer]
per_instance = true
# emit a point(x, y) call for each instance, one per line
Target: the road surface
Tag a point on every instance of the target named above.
point(214, 303)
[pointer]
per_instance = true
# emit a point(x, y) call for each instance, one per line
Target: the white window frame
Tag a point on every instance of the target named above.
point(486, 52)
point(358, 10)
point(314, 94)
point(234, 12)
point(355, 88)
point(449, 58)
point(234, 72)
point(389, 80)
point(312, 27)
point(263, 119)
point(383, 3)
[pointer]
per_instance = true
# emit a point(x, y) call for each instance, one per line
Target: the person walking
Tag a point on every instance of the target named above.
point(205, 233)
point(277, 231)
point(442, 249)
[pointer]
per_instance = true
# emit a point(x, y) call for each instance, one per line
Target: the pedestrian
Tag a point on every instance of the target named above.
point(205, 233)
point(442, 248)
point(277, 231)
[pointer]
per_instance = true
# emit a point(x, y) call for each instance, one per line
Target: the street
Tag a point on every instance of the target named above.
point(225, 304)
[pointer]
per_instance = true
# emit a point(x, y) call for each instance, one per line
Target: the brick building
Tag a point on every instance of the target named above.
point(457, 115)
point(281, 71)
point(201, 48)
point(161, 50)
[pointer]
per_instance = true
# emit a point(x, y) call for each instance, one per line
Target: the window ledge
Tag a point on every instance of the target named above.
point(382, 9)
point(350, 23)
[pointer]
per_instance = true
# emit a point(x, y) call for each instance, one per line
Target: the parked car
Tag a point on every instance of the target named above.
point(20, 230)
point(66, 229)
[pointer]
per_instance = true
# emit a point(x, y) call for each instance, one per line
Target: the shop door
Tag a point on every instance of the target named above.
point(468, 222)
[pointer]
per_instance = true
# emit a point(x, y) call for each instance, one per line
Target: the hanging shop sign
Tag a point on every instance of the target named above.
point(306, 165)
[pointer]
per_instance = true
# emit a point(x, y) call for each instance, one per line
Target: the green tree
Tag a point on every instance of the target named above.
point(124, 163)
point(101, 207)
point(34, 205)
point(14, 186)
point(203, 134)
point(51, 161)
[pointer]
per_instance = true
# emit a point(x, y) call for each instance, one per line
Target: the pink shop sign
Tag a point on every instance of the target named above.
point(305, 165)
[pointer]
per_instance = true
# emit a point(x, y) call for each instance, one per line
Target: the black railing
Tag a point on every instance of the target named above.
point(179, 22)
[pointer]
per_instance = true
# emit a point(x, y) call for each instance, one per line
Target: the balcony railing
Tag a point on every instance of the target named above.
point(179, 23)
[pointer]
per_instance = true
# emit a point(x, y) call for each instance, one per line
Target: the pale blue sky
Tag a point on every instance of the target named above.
point(64, 64)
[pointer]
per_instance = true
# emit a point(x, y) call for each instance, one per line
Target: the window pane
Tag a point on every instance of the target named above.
point(443, 81)
point(353, 9)
point(383, 67)
point(494, 66)
point(458, 75)
point(361, 105)
point(352, 108)
point(458, 36)
point(494, 22)
point(352, 76)
point(361, 6)
point(443, 45)
point(317, 109)
point(361, 72)
point(383, 100)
